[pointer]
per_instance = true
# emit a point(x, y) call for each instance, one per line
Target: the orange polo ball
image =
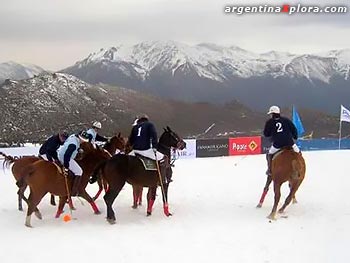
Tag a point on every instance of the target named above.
point(67, 218)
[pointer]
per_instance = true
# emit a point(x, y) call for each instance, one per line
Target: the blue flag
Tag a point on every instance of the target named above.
point(297, 122)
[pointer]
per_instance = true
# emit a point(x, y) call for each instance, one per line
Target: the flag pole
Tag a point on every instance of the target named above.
point(340, 119)
point(339, 134)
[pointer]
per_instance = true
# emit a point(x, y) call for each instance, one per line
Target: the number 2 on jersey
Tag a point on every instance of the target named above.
point(279, 127)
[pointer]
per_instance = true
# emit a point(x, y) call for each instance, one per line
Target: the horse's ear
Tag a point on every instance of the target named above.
point(168, 128)
point(119, 135)
point(164, 129)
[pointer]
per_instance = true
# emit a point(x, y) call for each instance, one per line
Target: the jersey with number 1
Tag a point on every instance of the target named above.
point(143, 136)
point(282, 131)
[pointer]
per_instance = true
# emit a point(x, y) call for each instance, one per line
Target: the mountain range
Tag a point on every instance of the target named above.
point(217, 74)
point(16, 71)
point(188, 87)
point(34, 108)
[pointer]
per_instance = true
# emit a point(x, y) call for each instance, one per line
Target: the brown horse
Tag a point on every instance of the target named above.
point(45, 177)
point(117, 142)
point(166, 150)
point(287, 165)
point(19, 166)
point(125, 168)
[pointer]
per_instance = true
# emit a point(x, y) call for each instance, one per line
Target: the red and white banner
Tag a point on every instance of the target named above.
point(245, 145)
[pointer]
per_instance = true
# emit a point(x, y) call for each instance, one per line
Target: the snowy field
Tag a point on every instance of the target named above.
point(214, 218)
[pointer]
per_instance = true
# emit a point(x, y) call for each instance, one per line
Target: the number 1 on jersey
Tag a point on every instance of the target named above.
point(139, 132)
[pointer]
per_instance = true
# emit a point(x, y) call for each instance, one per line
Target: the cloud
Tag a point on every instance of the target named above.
point(82, 25)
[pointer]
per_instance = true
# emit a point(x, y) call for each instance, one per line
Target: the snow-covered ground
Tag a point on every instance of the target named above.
point(214, 219)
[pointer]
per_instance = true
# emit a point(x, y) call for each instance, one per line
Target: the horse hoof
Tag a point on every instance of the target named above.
point(168, 214)
point(272, 217)
point(38, 215)
point(111, 221)
point(259, 205)
point(28, 225)
point(149, 213)
point(134, 206)
point(97, 212)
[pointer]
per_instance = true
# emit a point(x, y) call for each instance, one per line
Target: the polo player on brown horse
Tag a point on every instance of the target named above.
point(132, 169)
point(288, 165)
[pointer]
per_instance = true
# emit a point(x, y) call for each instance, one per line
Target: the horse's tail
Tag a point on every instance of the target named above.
point(97, 172)
point(23, 178)
point(8, 160)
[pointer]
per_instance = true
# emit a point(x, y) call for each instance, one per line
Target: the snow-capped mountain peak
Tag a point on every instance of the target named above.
point(16, 71)
point(219, 63)
point(211, 72)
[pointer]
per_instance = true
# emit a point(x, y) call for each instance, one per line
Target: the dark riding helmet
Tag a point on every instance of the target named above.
point(64, 135)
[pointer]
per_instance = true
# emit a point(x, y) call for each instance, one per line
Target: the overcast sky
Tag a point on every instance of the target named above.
point(56, 34)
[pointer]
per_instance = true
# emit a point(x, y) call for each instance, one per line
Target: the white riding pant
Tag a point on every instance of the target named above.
point(150, 154)
point(273, 149)
point(44, 156)
point(75, 168)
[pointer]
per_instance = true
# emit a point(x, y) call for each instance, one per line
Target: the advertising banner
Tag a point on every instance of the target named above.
point(245, 145)
point(212, 147)
point(189, 152)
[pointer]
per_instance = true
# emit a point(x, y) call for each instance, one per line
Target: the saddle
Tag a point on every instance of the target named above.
point(149, 164)
point(281, 151)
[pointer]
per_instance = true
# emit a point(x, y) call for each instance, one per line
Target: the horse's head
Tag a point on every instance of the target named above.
point(170, 139)
point(114, 143)
point(85, 149)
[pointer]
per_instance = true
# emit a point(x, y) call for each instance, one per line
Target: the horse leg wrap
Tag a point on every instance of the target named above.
point(166, 209)
point(98, 194)
point(70, 203)
point(139, 199)
point(94, 207)
point(150, 206)
point(263, 197)
point(58, 213)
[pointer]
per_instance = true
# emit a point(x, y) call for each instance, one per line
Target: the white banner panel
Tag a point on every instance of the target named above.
point(189, 152)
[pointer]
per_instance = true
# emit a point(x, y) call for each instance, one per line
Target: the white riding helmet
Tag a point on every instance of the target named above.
point(274, 109)
point(97, 125)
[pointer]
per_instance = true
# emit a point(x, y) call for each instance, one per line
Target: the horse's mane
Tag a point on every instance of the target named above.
point(110, 144)
point(8, 159)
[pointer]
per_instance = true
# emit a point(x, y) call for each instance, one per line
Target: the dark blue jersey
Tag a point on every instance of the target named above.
point(281, 132)
point(143, 136)
point(50, 147)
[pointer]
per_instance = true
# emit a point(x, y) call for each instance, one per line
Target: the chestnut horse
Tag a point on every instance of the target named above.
point(126, 168)
point(21, 163)
point(116, 144)
point(45, 177)
point(287, 165)
point(19, 166)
